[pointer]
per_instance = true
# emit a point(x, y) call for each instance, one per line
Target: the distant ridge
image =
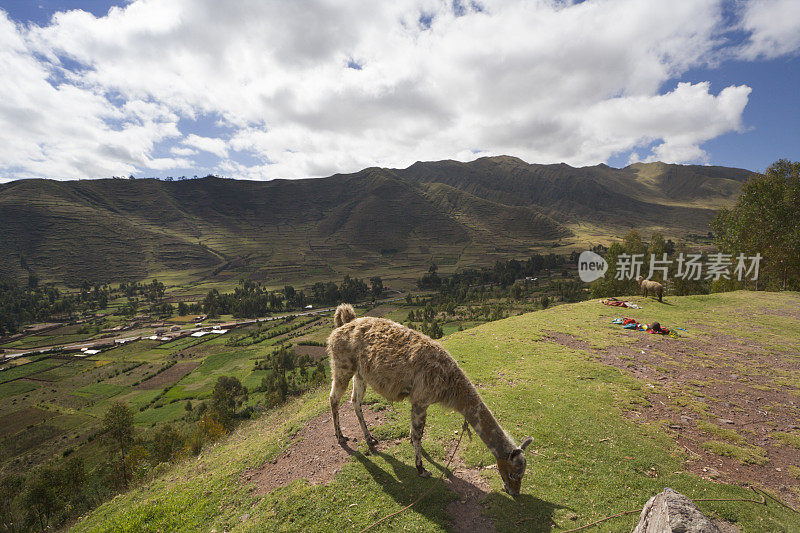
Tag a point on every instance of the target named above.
point(112, 230)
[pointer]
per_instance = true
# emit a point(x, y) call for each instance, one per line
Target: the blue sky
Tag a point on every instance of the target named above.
point(281, 90)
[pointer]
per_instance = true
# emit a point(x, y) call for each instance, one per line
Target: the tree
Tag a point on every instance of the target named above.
point(229, 393)
point(155, 291)
point(766, 221)
point(129, 309)
point(277, 384)
point(376, 286)
point(167, 443)
point(118, 425)
point(290, 294)
point(211, 304)
point(352, 289)
point(433, 330)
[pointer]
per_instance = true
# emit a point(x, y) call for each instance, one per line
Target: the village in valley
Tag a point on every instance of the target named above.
point(161, 352)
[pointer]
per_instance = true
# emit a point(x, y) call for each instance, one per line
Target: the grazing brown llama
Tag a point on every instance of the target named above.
point(652, 287)
point(400, 363)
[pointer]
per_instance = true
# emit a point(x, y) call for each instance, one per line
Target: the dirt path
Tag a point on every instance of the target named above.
point(716, 389)
point(315, 455)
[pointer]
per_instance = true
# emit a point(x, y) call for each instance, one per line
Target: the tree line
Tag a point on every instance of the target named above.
point(503, 273)
point(764, 223)
point(21, 305)
point(250, 299)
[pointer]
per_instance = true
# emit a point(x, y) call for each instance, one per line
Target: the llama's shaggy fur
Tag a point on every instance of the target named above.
point(400, 363)
point(652, 287)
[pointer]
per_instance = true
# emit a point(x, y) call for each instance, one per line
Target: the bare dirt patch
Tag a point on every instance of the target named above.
point(472, 489)
point(314, 352)
point(169, 376)
point(380, 311)
point(716, 388)
point(314, 453)
point(16, 421)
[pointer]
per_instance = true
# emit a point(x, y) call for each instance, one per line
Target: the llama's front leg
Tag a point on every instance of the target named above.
point(359, 387)
point(419, 414)
point(337, 390)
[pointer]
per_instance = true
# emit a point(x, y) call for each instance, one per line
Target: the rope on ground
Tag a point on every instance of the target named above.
point(773, 498)
point(412, 504)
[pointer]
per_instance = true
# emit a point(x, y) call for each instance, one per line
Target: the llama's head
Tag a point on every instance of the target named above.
point(512, 468)
point(639, 280)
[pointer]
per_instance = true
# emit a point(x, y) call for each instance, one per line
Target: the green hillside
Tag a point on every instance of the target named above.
point(374, 220)
point(603, 437)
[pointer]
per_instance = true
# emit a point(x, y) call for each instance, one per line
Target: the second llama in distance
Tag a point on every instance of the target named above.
point(651, 287)
point(401, 363)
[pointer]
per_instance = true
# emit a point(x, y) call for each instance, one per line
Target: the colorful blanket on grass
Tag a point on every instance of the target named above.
point(655, 327)
point(620, 303)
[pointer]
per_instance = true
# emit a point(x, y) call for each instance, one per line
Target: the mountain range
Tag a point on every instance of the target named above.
point(449, 212)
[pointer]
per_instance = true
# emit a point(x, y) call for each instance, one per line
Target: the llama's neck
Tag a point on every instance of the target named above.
point(483, 422)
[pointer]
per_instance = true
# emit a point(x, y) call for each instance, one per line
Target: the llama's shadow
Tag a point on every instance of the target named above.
point(405, 486)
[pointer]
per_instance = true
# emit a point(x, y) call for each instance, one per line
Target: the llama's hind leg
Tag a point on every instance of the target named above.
point(338, 387)
point(359, 387)
point(419, 414)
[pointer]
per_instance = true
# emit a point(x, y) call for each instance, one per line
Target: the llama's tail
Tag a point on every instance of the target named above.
point(344, 314)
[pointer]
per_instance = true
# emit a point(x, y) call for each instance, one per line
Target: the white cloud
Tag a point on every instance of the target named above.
point(179, 150)
point(543, 80)
point(56, 129)
point(207, 144)
point(773, 27)
point(682, 119)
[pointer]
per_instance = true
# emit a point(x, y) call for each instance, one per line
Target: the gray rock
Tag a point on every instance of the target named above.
point(672, 512)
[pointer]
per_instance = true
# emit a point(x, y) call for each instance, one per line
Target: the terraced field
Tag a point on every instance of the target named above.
point(53, 405)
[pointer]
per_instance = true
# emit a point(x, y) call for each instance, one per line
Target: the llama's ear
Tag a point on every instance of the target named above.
point(526, 443)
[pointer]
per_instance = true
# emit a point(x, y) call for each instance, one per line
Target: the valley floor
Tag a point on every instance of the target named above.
point(616, 416)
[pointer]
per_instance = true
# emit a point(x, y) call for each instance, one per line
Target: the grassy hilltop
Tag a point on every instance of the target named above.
point(379, 220)
point(616, 416)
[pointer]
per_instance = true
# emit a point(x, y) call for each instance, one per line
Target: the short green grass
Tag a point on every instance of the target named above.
point(723, 433)
point(167, 413)
point(587, 460)
point(790, 439)
point(13, 388)
point(97, 391)
point(16, 372)
point(745, 454)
